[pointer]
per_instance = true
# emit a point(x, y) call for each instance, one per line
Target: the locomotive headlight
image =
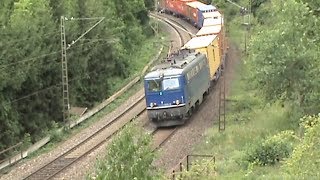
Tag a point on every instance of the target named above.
point(177, 102)
point(153, 104)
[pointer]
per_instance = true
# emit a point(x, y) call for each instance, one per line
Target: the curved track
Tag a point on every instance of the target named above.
point(85, 147)
point(103, 134)
point(183, 32)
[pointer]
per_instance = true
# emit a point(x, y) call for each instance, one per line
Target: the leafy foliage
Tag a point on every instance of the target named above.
point(30, 67)
point(129, 156)
point(271, 150)
point(284, 57)
point(305, 160)
point(202, 169)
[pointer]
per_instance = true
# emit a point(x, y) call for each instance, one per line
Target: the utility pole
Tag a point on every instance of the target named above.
point(244, 12)
point(64, 62)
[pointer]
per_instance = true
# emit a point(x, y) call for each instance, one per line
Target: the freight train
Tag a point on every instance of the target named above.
point(174, 90)
point(192, 10)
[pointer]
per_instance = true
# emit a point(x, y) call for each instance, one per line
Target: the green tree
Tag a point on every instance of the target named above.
point(129, 157)
point(305, 160)
point(30, 65)
point(283, 57)
point(6, 8)
point(149, 4)
point(31, 21)
point(314, 5)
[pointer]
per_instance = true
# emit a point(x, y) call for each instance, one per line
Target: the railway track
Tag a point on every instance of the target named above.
point(182, 25)
point(100, 137)
point(161, 136)
point(86, 146)
point(178, 27)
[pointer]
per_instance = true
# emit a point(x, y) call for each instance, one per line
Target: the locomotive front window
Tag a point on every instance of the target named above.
point(170, 84)
point(154, 85)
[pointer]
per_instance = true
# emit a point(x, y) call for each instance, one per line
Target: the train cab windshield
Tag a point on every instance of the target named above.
point(163, 84)
point(170, 84)
point(154, 85)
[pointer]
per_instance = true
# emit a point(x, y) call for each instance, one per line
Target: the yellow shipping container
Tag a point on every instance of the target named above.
point(209, 46)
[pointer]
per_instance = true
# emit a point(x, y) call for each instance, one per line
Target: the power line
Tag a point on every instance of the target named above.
point(28, 38)
point(28, 60)
point(73, 47)
point(42, 56)
point(50, 87)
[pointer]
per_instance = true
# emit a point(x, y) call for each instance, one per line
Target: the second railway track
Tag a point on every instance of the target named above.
point(86, 146)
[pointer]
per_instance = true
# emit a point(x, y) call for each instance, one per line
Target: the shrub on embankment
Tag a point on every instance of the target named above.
point(277, 88)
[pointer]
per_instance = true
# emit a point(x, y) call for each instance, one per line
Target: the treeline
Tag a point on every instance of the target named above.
point(273, 119)
point(284, 53)
point(30, 57)
point(282, 86)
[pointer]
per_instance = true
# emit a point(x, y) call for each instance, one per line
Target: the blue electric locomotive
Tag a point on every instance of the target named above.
point(173, 92)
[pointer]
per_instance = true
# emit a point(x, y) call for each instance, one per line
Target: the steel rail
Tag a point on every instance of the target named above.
point(69, 161)
point(63, 162)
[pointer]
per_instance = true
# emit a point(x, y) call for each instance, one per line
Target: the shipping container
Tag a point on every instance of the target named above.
point(180, 6)
point(194, 14)
point(213, 14)
point(206, 8)
point(183, 7)
point(209, 30)
point(209, 46)
point(214, 30)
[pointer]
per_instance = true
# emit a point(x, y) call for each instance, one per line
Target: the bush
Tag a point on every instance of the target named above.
point(202, 169)
point(272, 149)
point(129, 156)
point(305, 160)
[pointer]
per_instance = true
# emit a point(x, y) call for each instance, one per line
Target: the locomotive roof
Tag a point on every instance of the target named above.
point(209, 30)
point(163, 72)
point(199, 42)
point(175, 68)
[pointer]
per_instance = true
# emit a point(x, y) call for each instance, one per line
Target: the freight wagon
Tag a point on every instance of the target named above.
point(193, 11)
point(208, 45)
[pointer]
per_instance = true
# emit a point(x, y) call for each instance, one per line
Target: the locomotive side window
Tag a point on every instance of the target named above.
point(154, 85)
point(170, 84)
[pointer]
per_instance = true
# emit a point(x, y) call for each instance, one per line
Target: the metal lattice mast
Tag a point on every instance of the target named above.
point(64, 63)
point(222, 107)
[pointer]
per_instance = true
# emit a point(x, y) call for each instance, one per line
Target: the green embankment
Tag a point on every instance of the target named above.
point(266, 137)
point(139, 60)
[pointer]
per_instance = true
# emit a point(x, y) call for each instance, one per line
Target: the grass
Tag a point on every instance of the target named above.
point(249, 119)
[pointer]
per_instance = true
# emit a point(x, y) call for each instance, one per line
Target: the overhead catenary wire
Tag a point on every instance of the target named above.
point(53, 86)
point(28, 38)
point(28, 60)
point(43, 55)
